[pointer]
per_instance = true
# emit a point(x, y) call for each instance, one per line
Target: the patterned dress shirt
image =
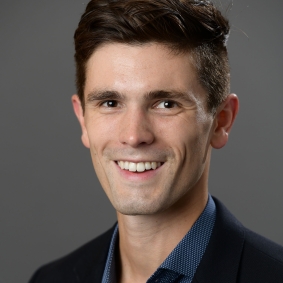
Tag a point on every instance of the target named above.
point(181, 264)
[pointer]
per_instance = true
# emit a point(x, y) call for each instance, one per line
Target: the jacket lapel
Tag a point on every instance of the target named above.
point(90, 267)
point(220, 263)
point(221, 260)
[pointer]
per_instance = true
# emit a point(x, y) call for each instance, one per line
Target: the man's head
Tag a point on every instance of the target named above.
point(181, 25)
point(153, 99)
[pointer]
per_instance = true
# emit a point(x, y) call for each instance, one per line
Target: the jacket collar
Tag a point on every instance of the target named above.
point(220, 262)
point(90, 266)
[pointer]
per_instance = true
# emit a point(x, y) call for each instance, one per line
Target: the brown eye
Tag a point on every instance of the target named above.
point(110, 103)
point(167, 104)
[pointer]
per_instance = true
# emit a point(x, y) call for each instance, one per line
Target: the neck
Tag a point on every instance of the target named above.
point(145, 241)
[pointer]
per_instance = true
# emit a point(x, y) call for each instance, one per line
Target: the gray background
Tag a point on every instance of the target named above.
point(51, 201)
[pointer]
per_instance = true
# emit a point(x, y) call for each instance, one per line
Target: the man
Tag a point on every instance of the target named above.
point(153, 100)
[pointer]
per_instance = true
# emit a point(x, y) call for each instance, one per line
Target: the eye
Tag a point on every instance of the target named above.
point(167, 104)
point(110, 103)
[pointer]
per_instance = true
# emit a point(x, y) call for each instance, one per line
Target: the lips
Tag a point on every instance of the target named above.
point(138, 166)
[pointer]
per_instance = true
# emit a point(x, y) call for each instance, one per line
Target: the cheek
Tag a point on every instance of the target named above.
point(99, 134)
point(189, 139)
point(181, 130)
point(101, 130)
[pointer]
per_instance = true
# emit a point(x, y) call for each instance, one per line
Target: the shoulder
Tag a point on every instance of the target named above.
point(262, 259)
point(259, 259)
point(77, 264)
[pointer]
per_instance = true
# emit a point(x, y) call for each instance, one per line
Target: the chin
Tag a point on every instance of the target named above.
point(139, 207)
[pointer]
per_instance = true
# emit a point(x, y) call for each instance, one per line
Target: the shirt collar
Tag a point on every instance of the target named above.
point(109, 275)
point(185, 257)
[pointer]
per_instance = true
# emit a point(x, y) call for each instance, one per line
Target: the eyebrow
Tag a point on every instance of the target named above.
point(96, 95)
point(170, 94)
point(104, 95)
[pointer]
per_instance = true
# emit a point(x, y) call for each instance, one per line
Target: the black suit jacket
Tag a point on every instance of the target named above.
point(234, 255)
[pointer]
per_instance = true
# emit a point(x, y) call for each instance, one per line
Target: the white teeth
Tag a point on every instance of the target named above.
point(138, 167)
point(153, 165)
point(147, 165)
point(132, 167)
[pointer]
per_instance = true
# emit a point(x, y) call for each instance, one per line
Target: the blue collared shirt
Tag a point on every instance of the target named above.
point(181, 264)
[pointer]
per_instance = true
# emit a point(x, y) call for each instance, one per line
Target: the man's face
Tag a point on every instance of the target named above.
point(146, 111)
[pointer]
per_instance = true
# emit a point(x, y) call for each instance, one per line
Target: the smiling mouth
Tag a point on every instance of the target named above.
point(139, 166)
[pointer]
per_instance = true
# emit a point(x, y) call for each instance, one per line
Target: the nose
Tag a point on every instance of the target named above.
point(136, 128)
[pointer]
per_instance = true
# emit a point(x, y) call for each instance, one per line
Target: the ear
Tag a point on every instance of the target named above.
point(77, 106)
point(223, 121)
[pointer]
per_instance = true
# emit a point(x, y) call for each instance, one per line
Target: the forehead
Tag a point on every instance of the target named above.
point(138, 69)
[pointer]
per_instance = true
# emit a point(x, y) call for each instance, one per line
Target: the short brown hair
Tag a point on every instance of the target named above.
point(182, 25)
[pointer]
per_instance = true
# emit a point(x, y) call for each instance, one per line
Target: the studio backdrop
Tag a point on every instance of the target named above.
point(51, 201)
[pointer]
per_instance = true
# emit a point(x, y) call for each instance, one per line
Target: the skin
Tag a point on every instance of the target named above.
point(144, 103)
